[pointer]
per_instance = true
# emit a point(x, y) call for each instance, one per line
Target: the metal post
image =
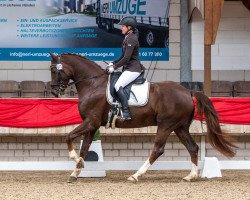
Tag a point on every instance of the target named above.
point(185, 71)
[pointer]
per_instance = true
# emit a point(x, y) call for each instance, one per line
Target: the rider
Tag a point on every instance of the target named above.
point(129, 59)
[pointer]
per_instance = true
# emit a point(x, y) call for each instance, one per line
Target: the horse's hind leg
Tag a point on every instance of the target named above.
point(186, 139)
point(158, 150)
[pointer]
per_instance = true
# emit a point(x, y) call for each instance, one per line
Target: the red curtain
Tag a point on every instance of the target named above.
point(232, 110)
point(32, 113)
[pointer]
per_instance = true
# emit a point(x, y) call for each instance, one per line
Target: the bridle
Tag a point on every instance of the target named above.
point(59, 82)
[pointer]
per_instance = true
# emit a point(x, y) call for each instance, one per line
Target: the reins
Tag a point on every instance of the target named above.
point(76, 82)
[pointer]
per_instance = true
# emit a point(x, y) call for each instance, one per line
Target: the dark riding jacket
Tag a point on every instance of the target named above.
point(130, 54)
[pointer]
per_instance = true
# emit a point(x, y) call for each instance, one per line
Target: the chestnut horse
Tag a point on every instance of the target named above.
point(170, 107)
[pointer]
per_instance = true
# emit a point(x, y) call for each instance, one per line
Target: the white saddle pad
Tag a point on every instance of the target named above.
point(141, 92)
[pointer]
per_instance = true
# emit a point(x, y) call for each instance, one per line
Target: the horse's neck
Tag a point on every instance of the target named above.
point(86, 71)
point(88, 89)
point(89, 77)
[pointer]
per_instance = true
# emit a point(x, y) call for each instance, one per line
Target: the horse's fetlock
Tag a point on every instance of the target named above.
point(79, 163)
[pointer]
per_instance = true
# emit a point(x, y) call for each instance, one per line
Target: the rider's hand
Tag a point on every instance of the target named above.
point(110, 69)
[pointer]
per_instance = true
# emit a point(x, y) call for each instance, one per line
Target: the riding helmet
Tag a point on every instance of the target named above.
point(128, 21)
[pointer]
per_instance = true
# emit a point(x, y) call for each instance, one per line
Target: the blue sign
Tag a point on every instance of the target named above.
point(62, 26)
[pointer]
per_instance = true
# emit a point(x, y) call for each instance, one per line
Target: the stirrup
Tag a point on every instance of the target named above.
point(125, 117)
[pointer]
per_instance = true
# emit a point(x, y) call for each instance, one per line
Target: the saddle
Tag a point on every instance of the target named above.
point(137, 93)
point(113, 79)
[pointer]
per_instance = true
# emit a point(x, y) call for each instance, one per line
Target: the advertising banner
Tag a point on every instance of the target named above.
point(30, 29)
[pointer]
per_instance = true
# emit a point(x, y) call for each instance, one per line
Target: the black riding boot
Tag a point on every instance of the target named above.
point(124, 102)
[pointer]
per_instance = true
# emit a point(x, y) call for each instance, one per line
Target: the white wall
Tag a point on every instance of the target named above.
point(232, 48)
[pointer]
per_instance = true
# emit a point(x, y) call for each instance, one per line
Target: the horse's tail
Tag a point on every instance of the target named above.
point(217, 138)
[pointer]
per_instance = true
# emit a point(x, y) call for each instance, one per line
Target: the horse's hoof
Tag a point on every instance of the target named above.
point(190, 178)
point(187, 179)
point(132, 179)
point(72, 179)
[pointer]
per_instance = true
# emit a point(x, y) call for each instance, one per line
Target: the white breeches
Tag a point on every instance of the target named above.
point(126, 78)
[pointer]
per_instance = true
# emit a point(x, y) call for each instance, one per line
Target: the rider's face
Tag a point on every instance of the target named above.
point(124, 29)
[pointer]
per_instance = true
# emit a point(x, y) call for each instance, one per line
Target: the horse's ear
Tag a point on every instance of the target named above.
point(53, 56)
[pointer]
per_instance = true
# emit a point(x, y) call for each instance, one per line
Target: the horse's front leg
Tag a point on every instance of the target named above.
point(86, 128)
point(87, 140)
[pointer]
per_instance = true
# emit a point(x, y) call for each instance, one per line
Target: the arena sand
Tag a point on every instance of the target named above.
point(154, 185)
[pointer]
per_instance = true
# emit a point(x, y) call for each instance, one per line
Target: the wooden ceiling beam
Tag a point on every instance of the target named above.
point(213, 9)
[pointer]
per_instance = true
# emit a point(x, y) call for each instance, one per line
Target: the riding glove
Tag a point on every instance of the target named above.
point(110, 69)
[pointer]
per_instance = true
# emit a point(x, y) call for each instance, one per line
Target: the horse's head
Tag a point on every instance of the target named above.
point(60, 75)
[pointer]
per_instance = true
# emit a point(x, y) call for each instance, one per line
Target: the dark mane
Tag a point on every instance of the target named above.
point(82, 57)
